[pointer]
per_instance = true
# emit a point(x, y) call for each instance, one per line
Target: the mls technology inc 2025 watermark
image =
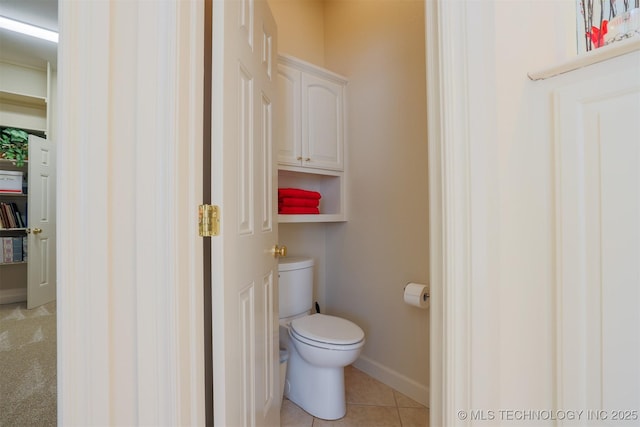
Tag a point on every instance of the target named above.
point(628, 415)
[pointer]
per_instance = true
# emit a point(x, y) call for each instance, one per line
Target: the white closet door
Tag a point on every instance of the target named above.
point(41, 217)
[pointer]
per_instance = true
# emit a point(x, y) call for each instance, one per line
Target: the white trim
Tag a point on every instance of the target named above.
point(436, 376)
point(450, 209)
point(308, 67)
point(593, 57)
point(130, 322)
point(82, 307)
point(405, 385)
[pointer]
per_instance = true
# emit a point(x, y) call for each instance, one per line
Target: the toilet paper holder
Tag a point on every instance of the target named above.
point(426, 295)
point(417, 294)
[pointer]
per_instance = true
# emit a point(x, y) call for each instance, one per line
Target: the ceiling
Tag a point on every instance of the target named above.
point(28, 50)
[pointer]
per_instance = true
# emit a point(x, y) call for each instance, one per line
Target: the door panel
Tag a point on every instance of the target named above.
point(41, 246)
point(598, 199)
point(244, 285)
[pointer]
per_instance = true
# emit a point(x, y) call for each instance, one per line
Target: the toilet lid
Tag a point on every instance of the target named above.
point(327, 329)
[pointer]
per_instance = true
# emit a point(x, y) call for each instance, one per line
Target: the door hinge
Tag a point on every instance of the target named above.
point(208, 220)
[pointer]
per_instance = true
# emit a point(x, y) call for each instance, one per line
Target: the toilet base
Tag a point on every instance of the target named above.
point(317, 390)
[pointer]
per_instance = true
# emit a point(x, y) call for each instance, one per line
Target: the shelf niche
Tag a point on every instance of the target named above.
point(329, 184)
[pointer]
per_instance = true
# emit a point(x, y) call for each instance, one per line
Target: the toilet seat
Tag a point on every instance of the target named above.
point(329, 332)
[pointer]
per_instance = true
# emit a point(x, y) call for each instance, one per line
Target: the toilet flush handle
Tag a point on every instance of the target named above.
point(279, 251)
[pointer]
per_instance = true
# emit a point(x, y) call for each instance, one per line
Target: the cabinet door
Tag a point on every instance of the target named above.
point(288, 116)
point(41, 282)
point(322, 123)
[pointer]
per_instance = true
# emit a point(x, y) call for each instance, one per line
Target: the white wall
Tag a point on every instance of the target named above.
point(300, 28)
point(379, 46)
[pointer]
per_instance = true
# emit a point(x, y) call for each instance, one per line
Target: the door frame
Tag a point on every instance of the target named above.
point(87, 379)
point(130, 317)
point(449, 209)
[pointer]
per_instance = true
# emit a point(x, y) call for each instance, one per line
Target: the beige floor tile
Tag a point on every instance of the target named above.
point(292, 416)
point(364, 416)
point(414, 417)
point(405, 402)
point(370, 403)
point(361, 389)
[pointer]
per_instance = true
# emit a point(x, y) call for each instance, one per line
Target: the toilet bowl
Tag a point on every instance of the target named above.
point(315, 375)
point(326, 341)
point(319, 345)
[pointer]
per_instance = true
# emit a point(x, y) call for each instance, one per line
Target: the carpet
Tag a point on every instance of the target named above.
point(28, 365)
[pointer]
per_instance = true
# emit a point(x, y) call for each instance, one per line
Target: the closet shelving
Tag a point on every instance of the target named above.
point(25, 94)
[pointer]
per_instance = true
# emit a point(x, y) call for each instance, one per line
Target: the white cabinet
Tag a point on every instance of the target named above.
point(288, 122)
point(310, 128)
point(310, 124)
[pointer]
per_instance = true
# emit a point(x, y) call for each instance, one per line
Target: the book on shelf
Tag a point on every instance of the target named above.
point(7, 249)
point(4, 219)
point(17, 249)
point(12, 249)
point(18, 216)
point(10, 216)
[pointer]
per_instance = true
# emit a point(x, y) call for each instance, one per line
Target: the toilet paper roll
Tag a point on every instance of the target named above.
point(417, 295)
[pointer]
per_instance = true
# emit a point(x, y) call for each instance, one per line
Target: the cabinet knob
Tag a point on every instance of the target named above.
point(308, 159)
point(298, 158)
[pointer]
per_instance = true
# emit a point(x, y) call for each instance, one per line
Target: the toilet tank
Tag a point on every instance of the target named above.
point(295, 285)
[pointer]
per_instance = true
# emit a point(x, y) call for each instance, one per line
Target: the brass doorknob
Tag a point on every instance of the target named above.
point(279, 251)
point(34, 230)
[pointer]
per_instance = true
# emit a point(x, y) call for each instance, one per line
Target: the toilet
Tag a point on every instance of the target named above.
point(319, 345)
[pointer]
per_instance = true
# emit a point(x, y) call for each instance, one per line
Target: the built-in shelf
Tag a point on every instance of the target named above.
point(330, 184)
point(22, 111)
point(285, 219)
point(23, 99)
point(10, 165)
point(593, 57)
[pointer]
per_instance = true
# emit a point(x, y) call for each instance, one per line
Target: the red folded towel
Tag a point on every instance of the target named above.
point(296, 201)
point(299, 193)
point(298, 210)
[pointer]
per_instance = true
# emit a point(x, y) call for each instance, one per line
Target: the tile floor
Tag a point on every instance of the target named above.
point(370, 403)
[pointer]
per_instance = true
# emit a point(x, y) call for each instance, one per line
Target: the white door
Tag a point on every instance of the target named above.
point(41, 218)
point(244, 270)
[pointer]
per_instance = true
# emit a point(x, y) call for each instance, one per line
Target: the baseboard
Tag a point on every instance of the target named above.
point(9, 296)
point(407, 386)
